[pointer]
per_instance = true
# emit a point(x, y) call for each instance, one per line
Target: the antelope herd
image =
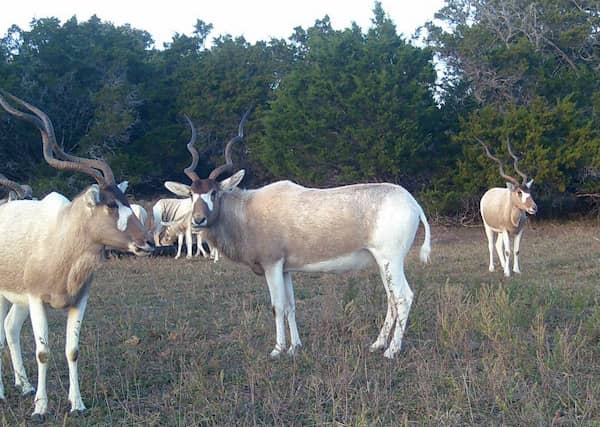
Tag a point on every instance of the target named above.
point(50, 247)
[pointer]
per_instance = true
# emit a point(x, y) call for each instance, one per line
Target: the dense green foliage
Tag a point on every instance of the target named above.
point(329, 106)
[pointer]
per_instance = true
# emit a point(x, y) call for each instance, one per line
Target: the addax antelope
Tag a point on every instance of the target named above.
point(284, 227)
point(49, 250)
point(504, 211)
point(175, 215)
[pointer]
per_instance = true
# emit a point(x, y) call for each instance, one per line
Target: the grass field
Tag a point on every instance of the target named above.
point(186, 342)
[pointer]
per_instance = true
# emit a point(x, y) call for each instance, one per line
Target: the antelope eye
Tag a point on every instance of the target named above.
point(213, 195)
point(112, 205)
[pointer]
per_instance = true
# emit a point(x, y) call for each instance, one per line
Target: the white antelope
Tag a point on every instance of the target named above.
point(284, 227)
point(175, 230)
point(168, 213)
point(504, 211)
point(48, 252)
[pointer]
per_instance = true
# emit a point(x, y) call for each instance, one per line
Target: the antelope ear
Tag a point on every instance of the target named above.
point(510, 186)
point(92, 195)
point(123, 186)
point(178, 188)
point(529, 184)
point(233, 181)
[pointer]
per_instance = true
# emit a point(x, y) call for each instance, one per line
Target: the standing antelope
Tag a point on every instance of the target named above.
point(284, 227)
point(49, 250)
point(504, 211)
point(173, 217)
point(167, 212)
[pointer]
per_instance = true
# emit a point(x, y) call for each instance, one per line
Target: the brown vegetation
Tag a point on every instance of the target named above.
point(186, 342)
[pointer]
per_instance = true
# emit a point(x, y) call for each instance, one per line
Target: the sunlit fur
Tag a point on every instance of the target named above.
point(504, 211)
point(48, 252)
point(284, 227)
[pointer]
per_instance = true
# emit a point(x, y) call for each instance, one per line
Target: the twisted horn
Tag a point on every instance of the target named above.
point(228, 162)
point(190, 170)
point(515, 161)
point(22, 192)
point(502, 174)
point(44, 124)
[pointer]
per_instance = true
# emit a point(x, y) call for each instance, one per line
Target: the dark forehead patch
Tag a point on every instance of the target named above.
point(203, 186)
point(112, 192)
point(524, 189)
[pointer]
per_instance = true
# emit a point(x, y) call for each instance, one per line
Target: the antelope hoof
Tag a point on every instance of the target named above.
point(26, 389)
point(277, 351)
point(294, 350)
point(376, 346)
point(389, 353)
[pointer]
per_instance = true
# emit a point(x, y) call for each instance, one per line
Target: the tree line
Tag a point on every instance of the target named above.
point(330, 107)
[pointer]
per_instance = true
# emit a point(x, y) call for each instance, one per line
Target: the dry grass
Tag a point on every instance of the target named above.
point(186, 343)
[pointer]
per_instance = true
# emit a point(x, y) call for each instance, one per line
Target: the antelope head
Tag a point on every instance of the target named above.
point(107, 209)
point(520, 193)
point(206, 193)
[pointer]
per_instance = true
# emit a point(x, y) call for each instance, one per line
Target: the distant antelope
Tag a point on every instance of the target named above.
point(17, 191)
point(180, 223)
point(168, 212)
point(176, 230)
point(49, 250)
point(284, 227)
point(504, 210)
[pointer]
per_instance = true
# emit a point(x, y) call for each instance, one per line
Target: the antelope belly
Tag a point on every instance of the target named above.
point(349, 262)
point(14, 298)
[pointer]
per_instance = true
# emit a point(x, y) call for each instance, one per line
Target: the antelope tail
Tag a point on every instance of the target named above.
point(426, 247)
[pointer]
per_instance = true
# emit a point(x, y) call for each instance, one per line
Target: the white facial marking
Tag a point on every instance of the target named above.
point(124, 213)
point(194, 198)
point(207, 200)
point(525, 196)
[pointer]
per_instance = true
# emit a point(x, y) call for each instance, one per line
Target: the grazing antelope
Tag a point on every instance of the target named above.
point(177, 229)
point(49, 250)
point(504, 211)
point(17, 191)
point(284, 227)
point(166, 213)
